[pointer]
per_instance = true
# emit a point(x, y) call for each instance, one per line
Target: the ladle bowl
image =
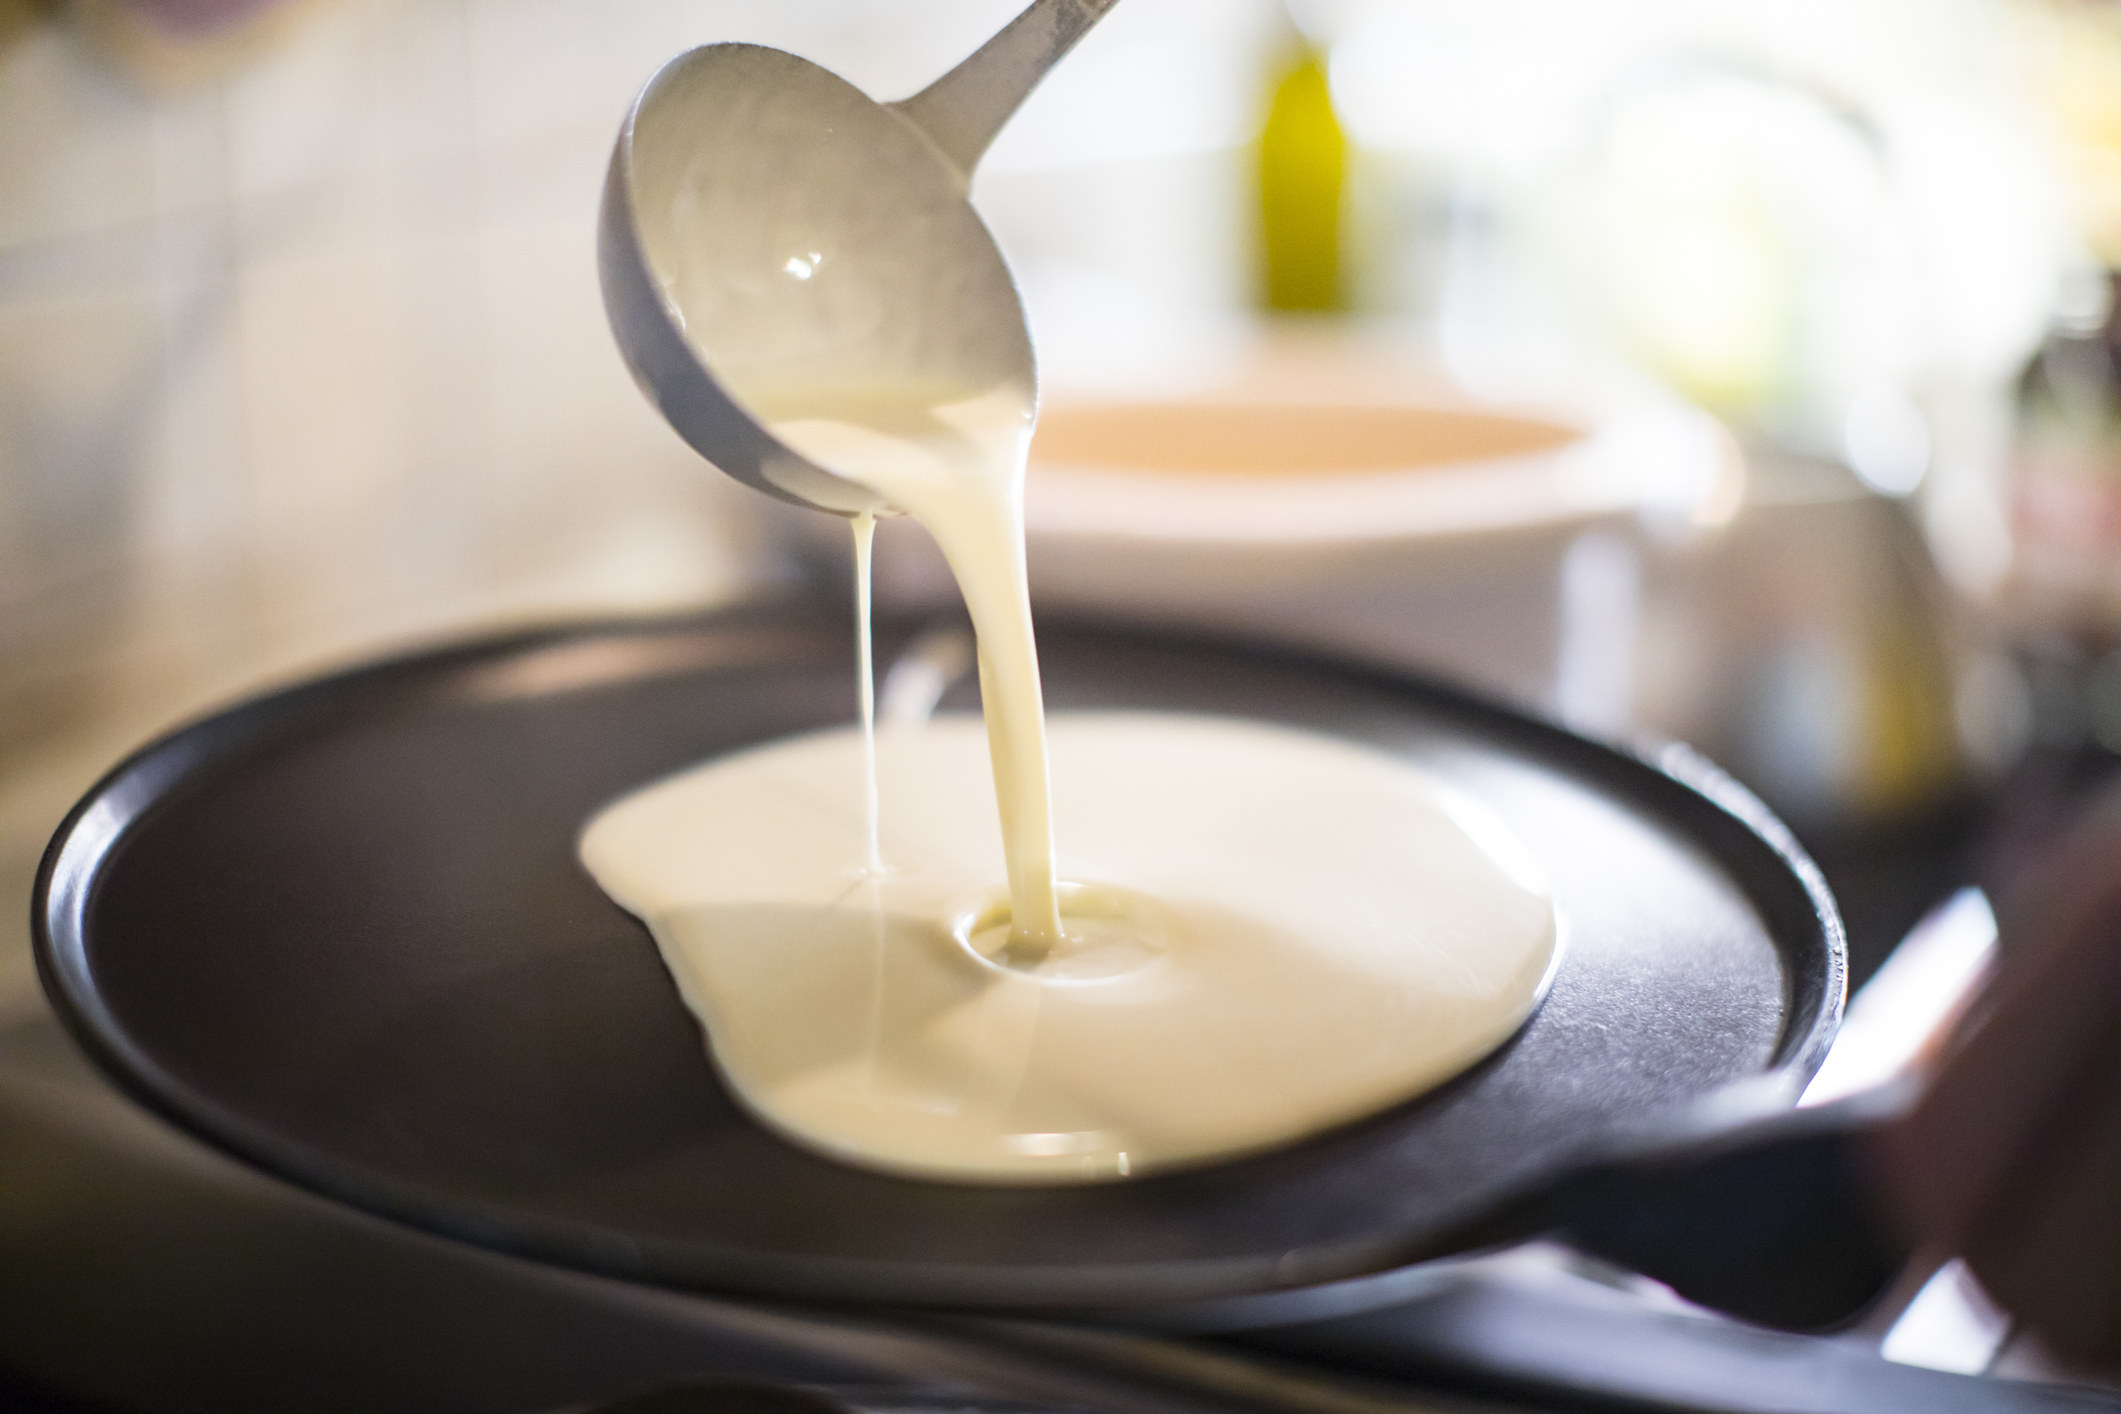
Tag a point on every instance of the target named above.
point(773, 241)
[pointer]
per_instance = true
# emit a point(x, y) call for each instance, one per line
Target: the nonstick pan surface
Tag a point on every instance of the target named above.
point(341, 932)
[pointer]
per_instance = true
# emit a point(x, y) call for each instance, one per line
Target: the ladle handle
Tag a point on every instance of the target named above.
point(1771, 1221)
point(963, 110)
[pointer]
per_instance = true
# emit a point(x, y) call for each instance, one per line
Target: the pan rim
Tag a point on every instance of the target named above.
point(150, 776)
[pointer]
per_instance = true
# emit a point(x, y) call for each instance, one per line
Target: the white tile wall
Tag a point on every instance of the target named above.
point(247, 412)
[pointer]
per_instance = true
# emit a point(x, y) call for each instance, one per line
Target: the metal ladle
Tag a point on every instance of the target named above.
point(769, 231)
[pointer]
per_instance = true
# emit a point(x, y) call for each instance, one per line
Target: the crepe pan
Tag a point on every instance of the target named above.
point(340, 932)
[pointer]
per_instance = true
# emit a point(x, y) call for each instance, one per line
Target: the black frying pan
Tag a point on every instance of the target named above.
point(340, 931)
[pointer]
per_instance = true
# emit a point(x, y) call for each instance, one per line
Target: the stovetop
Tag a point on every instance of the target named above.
point(141, 1271)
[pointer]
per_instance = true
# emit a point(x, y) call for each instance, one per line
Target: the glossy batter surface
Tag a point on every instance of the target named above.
point(1266, 933)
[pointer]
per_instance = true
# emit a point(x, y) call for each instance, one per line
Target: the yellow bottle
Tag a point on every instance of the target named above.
point(1303, 158)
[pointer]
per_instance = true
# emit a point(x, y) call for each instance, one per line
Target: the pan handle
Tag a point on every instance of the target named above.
point(1771, 1220)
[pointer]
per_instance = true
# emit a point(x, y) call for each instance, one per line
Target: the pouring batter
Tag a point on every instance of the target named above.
point(1264, 933)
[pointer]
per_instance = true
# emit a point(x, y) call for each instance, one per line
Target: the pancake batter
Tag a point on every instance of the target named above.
point(1280, 932)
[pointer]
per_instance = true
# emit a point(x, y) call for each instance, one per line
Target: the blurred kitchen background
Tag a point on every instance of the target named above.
point(302, 358)
point(1735, 371)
